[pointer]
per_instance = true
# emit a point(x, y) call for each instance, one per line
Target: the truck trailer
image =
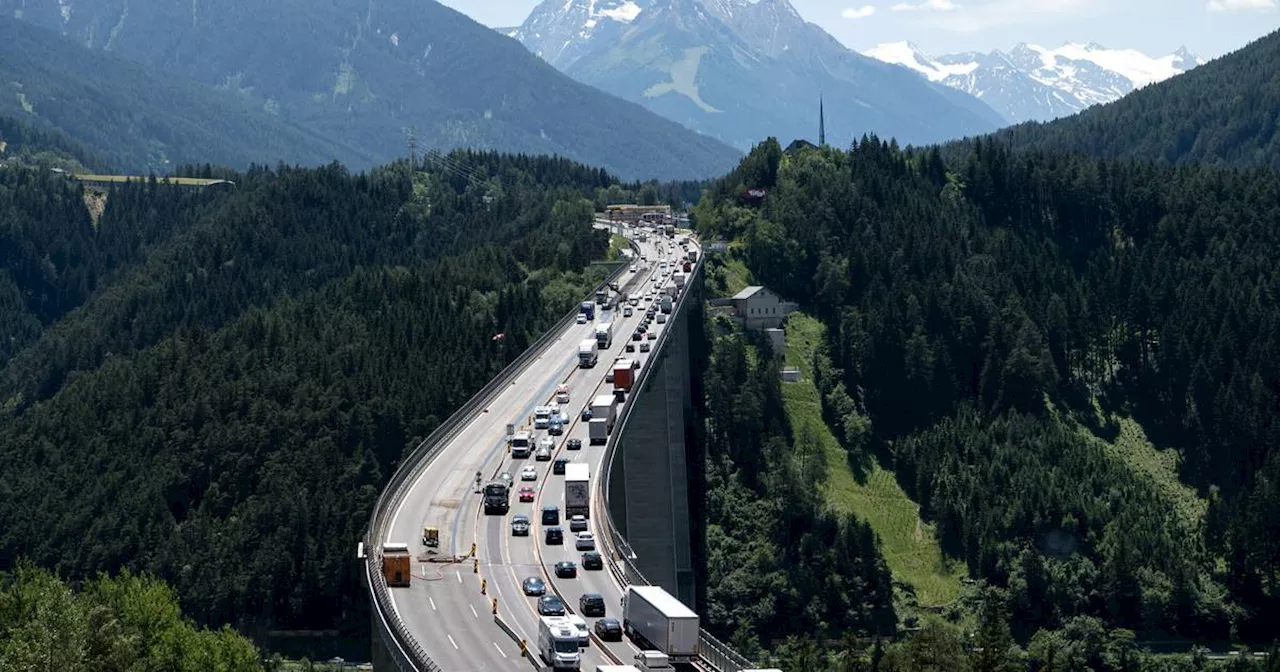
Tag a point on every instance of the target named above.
point(588, 308)
point(604, 413)
point(558, 643)
point(624, 375)
point(588, 352)
point(604, 335)
point(657, 620)
point(577, 490)
point(395, 564)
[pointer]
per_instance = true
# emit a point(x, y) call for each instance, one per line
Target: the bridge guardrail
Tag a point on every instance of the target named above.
point(711, 651)
point(408, 653)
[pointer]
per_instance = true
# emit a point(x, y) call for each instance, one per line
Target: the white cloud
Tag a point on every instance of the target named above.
point(1239, 5)
point(932, 5)
point(860, 12)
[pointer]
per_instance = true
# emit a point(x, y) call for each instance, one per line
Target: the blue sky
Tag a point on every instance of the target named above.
point(1208, 27)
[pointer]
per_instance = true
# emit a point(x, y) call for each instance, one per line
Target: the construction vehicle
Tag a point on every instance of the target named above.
point(395, 564)
point(431, 537)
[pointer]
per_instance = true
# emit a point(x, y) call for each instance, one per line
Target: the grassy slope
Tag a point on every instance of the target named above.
point(873, 494)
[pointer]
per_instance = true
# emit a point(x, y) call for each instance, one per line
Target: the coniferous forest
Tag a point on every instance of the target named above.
point(212, 387)
point(991, 320)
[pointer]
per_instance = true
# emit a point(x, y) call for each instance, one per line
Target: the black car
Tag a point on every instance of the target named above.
point(609, 629)
point(631, 347)
point(550, 605)
point(591, 604)
point(592, 560)
point(586, 413)
point(637, 335)
point(551, 515)
point(534, 587)
point(557, 467)
point(555, 536)
point(566, 570)
point(574, 444)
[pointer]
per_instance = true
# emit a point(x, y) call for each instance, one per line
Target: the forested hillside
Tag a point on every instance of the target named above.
point(141, 119)
point(124, 622)
point(214, 386)
point(21, 143)
point(777, 562)
point(1221, 113)
point(994, 324)
point(366, 73)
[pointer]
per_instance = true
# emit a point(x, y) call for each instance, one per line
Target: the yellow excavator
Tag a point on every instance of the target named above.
point(431, 537)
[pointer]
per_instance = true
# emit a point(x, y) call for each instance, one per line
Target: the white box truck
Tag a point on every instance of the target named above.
point(604, 335)
point(577, 490)
point(657, 620)
point(558, 643)
point(604, 413)
point(588, 352)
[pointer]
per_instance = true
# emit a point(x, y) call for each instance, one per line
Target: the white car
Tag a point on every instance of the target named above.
point(582, 318)
point(531, 474)
point(585, 541)
point(562, 395)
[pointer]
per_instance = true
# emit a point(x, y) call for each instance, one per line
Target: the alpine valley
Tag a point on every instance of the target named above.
point(741, 70)
point(1032, 83)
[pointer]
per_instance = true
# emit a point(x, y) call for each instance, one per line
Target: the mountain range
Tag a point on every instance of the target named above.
point(743, 70)
point(338, 74)
point(1033, 83)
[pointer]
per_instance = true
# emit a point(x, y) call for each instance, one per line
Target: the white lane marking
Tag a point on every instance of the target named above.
point(499, 648)
point(459, 573)
point(473, 610)
point(455, 644)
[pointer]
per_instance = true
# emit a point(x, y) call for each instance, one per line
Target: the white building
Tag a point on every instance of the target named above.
point(759, 308)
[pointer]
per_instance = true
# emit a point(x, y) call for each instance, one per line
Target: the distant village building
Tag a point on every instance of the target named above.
point(759, 308)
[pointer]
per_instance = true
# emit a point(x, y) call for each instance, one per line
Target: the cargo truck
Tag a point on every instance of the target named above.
point(577, 490)
point(655, 619)
point(666, 304)
point(604, 412)
point(604, 335)
point(589, 309)
point(541, 417)
point(395, 564)
point(558, 643)
point(680, 278)
point(588, 351)
point(624, 375)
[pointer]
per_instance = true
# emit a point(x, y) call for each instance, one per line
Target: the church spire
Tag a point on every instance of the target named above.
point(822, 123)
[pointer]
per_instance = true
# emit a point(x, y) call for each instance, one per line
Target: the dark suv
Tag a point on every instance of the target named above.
point(591, 604)
point(555, 536)
point(550, 515)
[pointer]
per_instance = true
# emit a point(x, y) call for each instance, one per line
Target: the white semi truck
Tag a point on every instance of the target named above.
point(588, 353)
point(604, 413)
point(604, 335)
point(657, 620)
point(558, 643)
point(577, 490)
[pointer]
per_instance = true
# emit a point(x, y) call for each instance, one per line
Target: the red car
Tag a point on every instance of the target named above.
point(526, 493)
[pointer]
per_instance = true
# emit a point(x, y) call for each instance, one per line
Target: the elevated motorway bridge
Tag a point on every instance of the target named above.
point(464, 608)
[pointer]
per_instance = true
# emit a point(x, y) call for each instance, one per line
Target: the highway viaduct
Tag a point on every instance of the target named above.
point(468, 612)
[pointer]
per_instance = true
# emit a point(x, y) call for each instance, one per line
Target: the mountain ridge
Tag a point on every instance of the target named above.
point(741, 70)
point(1033, 83)
point(370, 74)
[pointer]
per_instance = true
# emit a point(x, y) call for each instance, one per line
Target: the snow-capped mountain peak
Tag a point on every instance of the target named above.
point(582, 20)
point(1034, 82)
